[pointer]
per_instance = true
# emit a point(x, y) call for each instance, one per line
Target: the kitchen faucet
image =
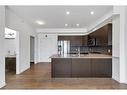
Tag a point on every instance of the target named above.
point(78, 51)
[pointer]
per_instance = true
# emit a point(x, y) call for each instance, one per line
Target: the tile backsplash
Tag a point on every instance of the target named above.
point(93, 49)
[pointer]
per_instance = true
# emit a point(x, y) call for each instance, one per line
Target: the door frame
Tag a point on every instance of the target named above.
point(34, 49)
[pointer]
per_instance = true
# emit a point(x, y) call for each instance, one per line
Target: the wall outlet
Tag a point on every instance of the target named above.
point(109, 50)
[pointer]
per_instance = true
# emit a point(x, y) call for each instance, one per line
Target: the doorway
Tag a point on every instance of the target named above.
point(32, 49)
point(11, 51)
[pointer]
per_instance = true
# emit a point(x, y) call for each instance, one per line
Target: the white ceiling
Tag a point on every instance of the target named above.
point(55, 16)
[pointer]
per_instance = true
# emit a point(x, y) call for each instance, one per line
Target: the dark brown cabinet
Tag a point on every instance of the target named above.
point(109, 34)
point(81, 68)
point(61, 67)
point(85, 40)
point(10, 64)
point(103, 35)
point(101, 67)
point(75, 40)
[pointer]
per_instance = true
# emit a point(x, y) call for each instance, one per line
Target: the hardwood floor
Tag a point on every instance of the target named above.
point(39, 77)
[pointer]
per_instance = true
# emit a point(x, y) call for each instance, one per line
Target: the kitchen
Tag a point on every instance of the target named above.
point(84, 56)
point(72, 43)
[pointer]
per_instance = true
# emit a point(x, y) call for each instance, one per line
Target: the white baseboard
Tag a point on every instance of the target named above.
point(126, 82)
point(116, 79)
point(21, 71)
point(2, 84)
point(120, 81)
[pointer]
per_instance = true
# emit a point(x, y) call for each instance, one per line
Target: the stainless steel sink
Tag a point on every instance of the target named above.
point(74, 55)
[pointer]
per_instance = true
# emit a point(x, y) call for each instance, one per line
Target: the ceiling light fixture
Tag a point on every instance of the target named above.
point(92, 12)
point(67, 12)
point(77, 25)
point(66, 24)
point(40, 22)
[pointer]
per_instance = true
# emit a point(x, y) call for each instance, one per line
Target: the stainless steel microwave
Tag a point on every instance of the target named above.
point(92, 42)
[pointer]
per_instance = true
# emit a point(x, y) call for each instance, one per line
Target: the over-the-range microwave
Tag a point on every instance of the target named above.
point(92, 42)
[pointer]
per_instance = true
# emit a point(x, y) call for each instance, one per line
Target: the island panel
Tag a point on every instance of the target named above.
point(61, 67)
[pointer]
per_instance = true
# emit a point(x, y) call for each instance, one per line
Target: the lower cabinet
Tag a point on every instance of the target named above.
point(61, 67)
point(81, 67)
point(101, 67)
point(10, 64)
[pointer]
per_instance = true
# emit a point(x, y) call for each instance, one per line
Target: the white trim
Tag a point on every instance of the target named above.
point(17, 54)
point(62, 31)
point(24, 69)
point(72, 34)
point(116, 79)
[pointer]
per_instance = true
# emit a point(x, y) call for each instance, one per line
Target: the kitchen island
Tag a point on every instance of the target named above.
point(83, 65)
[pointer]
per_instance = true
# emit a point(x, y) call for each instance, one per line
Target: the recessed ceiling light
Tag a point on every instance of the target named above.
point(67, 12)
point(40, 22)
point(66, 24)
point(77, 25)
point(92, 12)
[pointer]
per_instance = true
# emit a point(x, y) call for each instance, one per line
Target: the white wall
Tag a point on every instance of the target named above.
point(116, 36)
point(122, 45)
point(25, 30)
point(126, 44)
point(116, 48)
point(2, 59)
point(119, 51)
point(10, 45)
point(47, 46)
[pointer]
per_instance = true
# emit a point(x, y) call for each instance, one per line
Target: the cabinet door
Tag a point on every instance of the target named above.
point(109, 34)
point(101, 67)
point(103, 35)
point(84, 40)
point(61, 67)
point(10, 64)
point(81, 67)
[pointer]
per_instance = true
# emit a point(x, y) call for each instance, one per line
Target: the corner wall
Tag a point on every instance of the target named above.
point(126, 44)
point(2, 59)
point(119, 49)
point(116, 48)
point(25, 30)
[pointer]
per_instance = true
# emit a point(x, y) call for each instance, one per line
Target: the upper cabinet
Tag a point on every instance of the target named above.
point(102, 36)
point(75, 40)
point(110, 34)
point(85, 40)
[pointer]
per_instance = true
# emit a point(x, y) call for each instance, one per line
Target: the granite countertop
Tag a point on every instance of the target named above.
point(82, 56)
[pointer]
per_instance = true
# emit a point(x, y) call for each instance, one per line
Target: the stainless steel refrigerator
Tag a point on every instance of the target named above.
point(63, 47)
